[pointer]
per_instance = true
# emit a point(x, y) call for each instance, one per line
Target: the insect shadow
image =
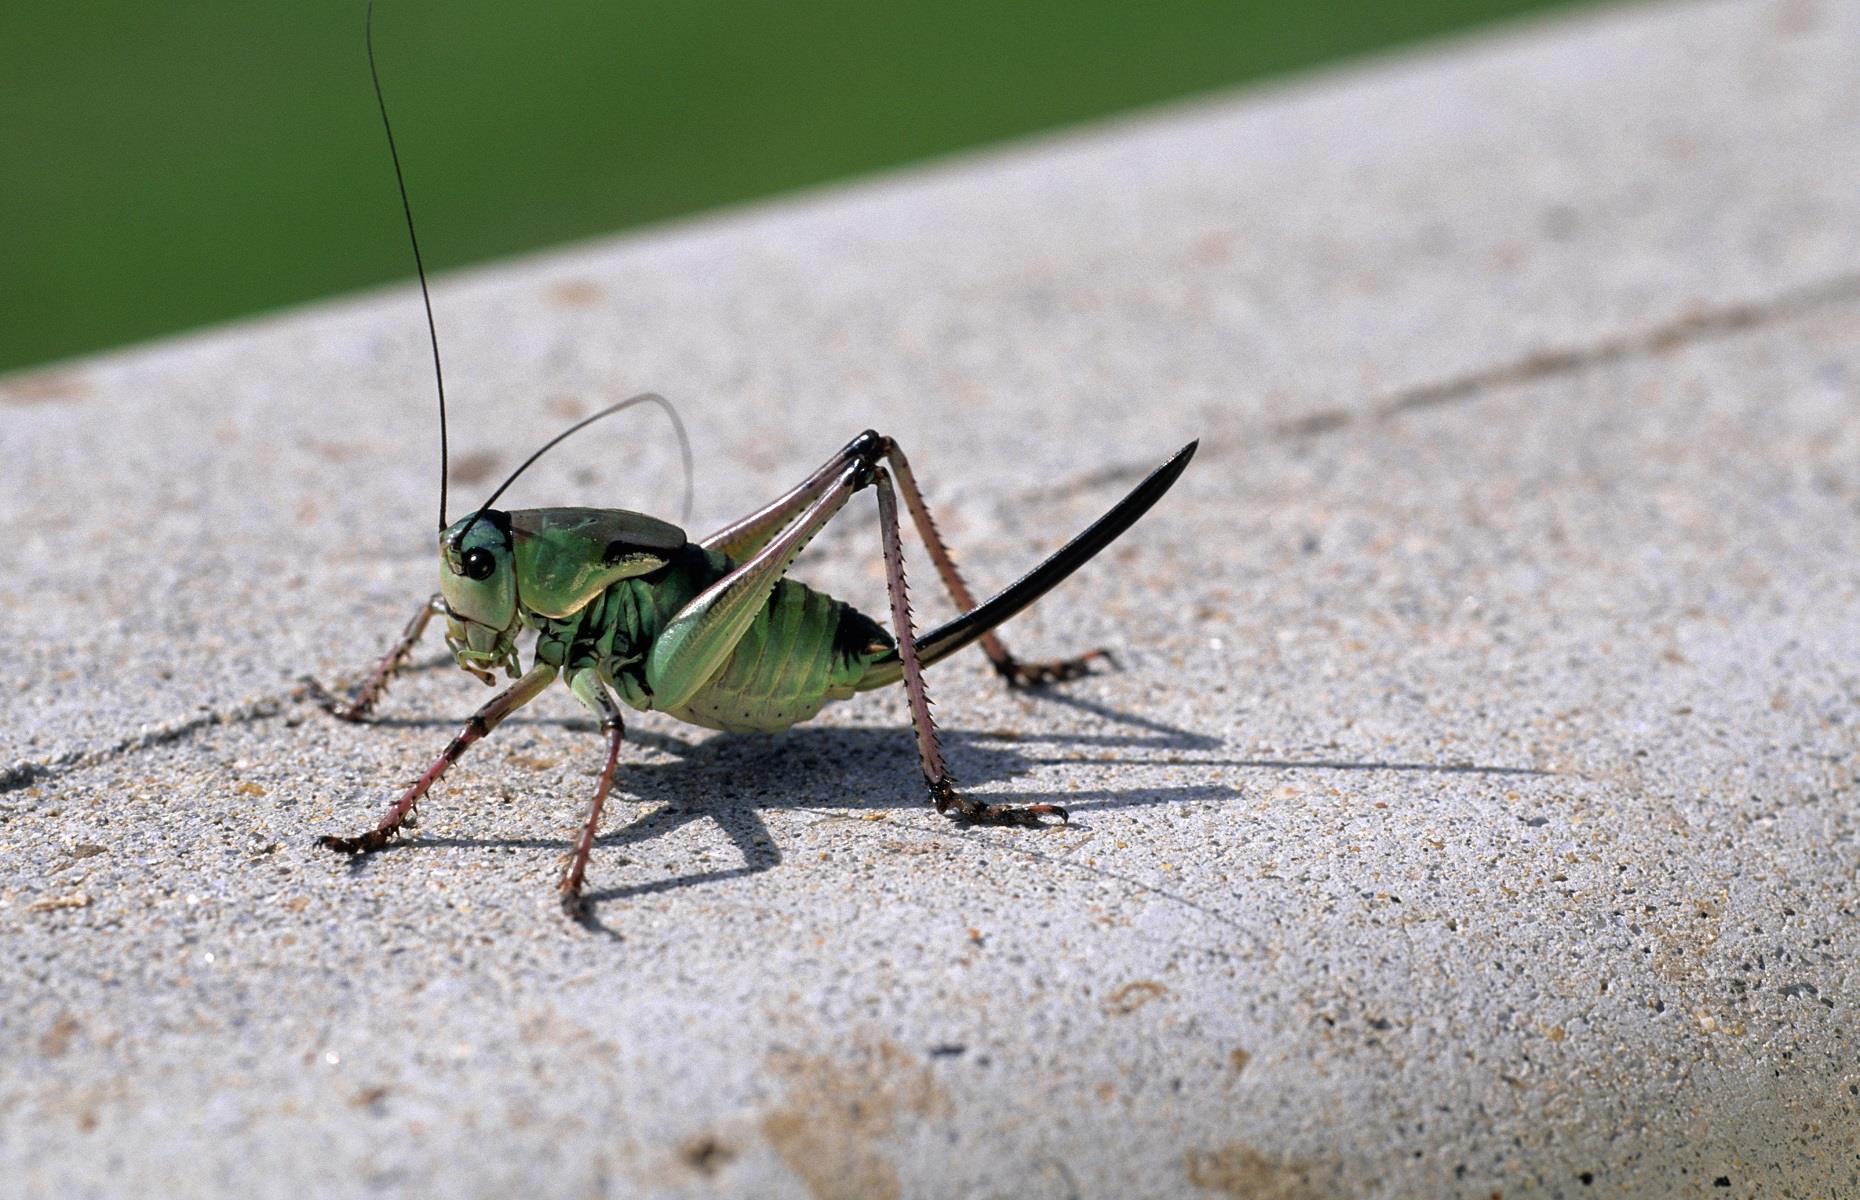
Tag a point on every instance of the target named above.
point(731, 780)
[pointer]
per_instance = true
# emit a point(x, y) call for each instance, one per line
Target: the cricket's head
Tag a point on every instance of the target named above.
point(563, 557)
point(478, 578)
point(498, 567)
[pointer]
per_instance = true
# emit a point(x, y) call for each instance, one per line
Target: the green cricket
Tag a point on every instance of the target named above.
point(627, 608)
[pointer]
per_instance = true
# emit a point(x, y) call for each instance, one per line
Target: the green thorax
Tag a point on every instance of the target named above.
point(803, 649)
point(565, 557)
point(615, 629)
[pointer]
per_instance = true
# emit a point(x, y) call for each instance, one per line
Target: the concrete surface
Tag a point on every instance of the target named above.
point(1474, 815)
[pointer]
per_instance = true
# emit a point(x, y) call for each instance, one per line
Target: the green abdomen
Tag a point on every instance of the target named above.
point(803, 649)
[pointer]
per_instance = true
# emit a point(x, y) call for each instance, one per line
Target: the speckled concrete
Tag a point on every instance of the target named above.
point(1474, 813)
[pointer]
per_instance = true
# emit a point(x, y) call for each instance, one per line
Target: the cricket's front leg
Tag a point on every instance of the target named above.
point(1017, 672)
point(943, 792)
point(358, 706)
point(482, 722)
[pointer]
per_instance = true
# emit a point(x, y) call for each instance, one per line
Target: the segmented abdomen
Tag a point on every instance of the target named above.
point(803, 649)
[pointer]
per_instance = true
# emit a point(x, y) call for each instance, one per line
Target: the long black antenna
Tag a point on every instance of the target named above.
point(684, 446)
point(419, 265)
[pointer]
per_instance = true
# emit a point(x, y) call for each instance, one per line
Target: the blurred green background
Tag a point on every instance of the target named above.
point(176, 163)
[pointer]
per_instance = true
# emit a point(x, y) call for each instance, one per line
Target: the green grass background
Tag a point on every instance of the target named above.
point(163, 165)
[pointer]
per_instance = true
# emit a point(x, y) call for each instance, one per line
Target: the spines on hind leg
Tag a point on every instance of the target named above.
point(945, 640)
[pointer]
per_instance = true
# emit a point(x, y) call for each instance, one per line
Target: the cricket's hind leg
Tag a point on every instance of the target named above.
point(701, 636)
point(1017, 672)
point(942, 785)
point(362, 703)
point(748, 535)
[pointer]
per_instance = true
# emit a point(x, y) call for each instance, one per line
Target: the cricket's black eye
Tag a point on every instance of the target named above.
point(478, 564)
